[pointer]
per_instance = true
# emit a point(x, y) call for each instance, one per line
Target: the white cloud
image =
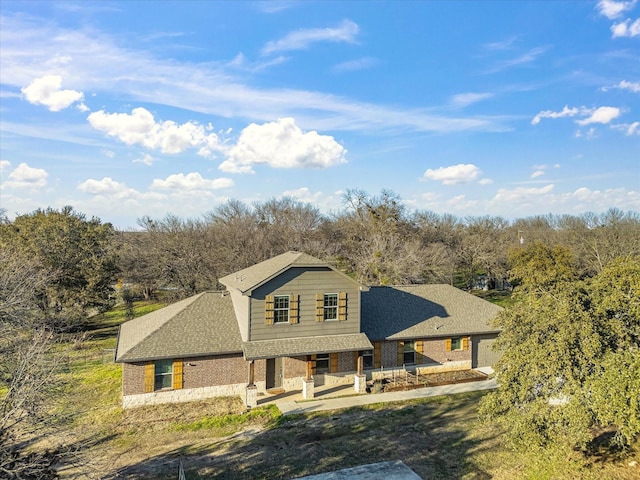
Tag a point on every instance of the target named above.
point(629, 129)
point(589, 134)
point(531, 201)
point(485, 181)
point(566, 112)
point(626, 28)
point(240, 62)
point(282, 144)
point(585, 199)
point(355, 65)
point(525, 58)
point(540, 170)
point(465, 99)
point(108, 153)
point(301, 39)
point(612, 9)
point(304, 195)
point(593, 115)
point(460, 203)
point(625, 85)
point(24, 176)
point(4, 165)
point(112, 196)
point(274, 6)
point(47, 91)
point(140, 128)
point(522, 195)
point(454, 175)
point(106, 186)
point(146, 159)
point(210, 88)
point(601, 115)
point(191, 181)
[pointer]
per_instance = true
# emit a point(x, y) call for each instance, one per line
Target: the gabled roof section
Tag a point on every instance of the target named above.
point(423, 311)
point(250, 278)
point(204, 324)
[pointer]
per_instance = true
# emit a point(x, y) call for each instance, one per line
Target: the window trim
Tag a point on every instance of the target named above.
point(367, 354)
point(322, 357)
point(327, 308)
point(409, 351)
point(457, 340)
point(162, 376)
point(277, 309)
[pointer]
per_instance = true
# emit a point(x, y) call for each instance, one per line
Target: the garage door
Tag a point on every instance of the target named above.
point(483, 354)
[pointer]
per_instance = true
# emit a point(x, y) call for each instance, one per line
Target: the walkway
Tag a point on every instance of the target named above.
point(294, 404)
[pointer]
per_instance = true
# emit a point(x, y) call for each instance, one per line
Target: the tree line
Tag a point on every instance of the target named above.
point(374, 238)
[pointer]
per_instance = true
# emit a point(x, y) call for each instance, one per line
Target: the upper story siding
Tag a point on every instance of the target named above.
point(305, 282)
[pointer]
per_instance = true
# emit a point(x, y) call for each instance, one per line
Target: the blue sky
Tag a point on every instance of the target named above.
point(126, 109)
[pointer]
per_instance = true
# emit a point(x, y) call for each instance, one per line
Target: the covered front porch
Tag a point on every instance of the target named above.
point(307, 374)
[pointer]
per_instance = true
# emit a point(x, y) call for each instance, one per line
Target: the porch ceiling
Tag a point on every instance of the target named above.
point(293, 347)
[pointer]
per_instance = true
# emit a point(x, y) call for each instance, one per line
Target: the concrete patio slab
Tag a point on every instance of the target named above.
point(375, 471)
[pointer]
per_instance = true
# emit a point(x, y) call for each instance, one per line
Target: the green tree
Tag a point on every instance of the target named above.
point(77, 255)
point(613, 394)
point(560, 342)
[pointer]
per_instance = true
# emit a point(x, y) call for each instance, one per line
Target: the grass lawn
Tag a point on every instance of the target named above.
point(439, 438)
point(501, 298)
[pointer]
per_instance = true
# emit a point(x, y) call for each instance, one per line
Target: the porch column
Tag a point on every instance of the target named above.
point(308, 382)
point(360, 379)
point(251, 397)
point(251, 373)
point(309, 368)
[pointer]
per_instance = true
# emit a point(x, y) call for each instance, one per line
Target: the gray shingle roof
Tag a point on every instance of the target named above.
point(423, 311)
point(252, 277)
point(204, 324)
point(292, 347)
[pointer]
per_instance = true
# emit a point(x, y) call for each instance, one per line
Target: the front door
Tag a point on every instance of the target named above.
point(274, 373)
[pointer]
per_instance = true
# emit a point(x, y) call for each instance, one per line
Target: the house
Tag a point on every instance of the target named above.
point(295, 322)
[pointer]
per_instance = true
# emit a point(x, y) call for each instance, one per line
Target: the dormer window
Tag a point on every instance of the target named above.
point(330, 306)
point(281, 309)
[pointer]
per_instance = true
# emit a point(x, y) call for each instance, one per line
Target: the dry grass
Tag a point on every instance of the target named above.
point(439, 438)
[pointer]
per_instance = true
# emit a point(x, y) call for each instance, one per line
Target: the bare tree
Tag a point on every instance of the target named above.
point(183, 252)
point(28, 373)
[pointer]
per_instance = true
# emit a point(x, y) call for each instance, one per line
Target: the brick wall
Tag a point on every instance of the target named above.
point(389, 354)
point(294, 367)
point(434, 352)
point(347, 361)
point(132, 378)
point(214, 371)
point(198, 372)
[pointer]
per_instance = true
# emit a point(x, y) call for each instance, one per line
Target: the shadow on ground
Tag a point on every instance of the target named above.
point(431, 437)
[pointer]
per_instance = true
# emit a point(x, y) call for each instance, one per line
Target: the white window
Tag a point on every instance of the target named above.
point(281, 309)
point(330, 306)
point(163, 374)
